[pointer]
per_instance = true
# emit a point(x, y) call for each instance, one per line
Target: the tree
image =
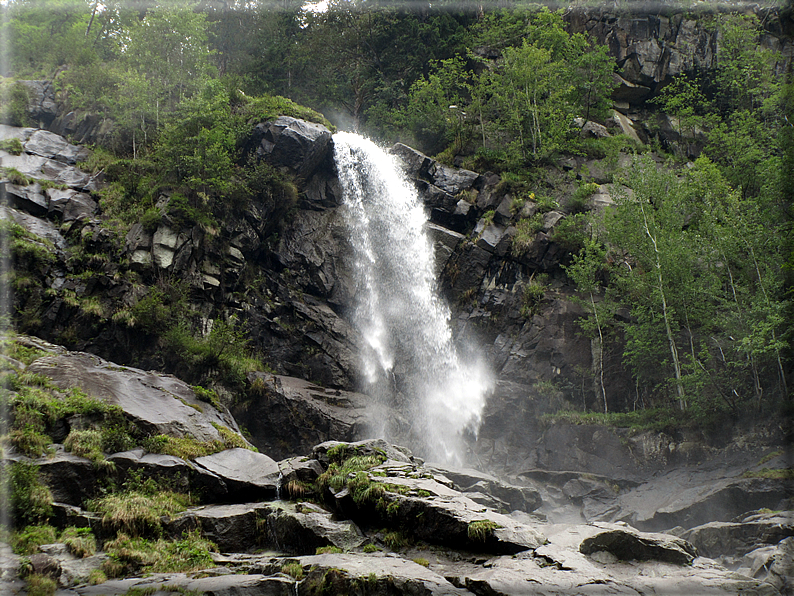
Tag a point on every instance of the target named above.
point(584, 270)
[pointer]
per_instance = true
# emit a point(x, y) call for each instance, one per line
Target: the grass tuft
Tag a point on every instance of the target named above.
point(481, 530)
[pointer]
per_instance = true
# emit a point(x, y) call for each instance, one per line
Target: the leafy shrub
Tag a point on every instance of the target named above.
point(31, 501)
point(14, 100)
point(370, 548)
point(531, 298)
point(578, 201)
point(12, 146)
point(328, 550)
point(526, 231)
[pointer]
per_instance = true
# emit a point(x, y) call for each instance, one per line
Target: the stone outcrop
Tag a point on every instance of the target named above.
point(651, 47)
point(292, 143)
point(160, 404)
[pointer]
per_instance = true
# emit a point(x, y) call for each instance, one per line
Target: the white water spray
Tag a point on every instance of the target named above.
point(409, 360)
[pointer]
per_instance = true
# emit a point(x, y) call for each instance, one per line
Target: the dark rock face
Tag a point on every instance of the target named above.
point(296, 144)
point(629, 545)
point(290, 415)
point(741, 536)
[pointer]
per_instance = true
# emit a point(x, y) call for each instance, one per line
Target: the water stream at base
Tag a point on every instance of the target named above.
point(409, 360)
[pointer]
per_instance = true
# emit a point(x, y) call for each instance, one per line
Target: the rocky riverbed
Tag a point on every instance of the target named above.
point(368, 517)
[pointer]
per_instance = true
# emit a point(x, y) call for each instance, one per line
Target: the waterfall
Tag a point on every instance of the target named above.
point(409, 360)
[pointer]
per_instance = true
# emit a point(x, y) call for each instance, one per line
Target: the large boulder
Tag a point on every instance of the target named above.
point(52, 146)
point(740, 537)
point(290, 142)
point(289, 416)
point(247, 474)
point(627, 544)
point(159, 404)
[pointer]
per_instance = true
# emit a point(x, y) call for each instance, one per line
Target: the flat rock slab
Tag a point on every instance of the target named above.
point(232, 527)
point(43, 168)
point(248, 475)
point(691, 497)
point(45, 230)
point(388, 575)
point(224, 585)
point(301, 528)
point(159, 404)
point(524, 576)
point(521, 498)
point(181, 473)
point(52, 146)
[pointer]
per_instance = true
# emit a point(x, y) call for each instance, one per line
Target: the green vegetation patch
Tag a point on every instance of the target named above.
point(135, 513)
point(293, 569)
point(80, 541)
point(36, 405)
point(31, 500)
point(771, 473)
point(12, 146)
point(639, 420)
point(481, 530)
point(41, 585)
point(134, 555)
point(28, 540)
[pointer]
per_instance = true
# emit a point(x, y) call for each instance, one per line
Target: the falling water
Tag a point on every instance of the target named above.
point(409, 361)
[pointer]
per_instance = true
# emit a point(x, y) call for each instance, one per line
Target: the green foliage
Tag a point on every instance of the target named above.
point(421, 561)
point(293, 569)
point(481, 530)
point(12, 146)
point(526, 231)
point(86, 443)
point(135, 513)
point(31, 501)
point(328, 550)
point(14, 176)
point(37, 405)
point(14, 100)
point(395, 540)
point(28, 540)
point(184, 447)
point(654, 419)
point(776, 473)
point(208, 395)
point(134, 555)
point(41, 585)
point(532, 297)
point(80, 541)
point(578, 201)
point(370, 548)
